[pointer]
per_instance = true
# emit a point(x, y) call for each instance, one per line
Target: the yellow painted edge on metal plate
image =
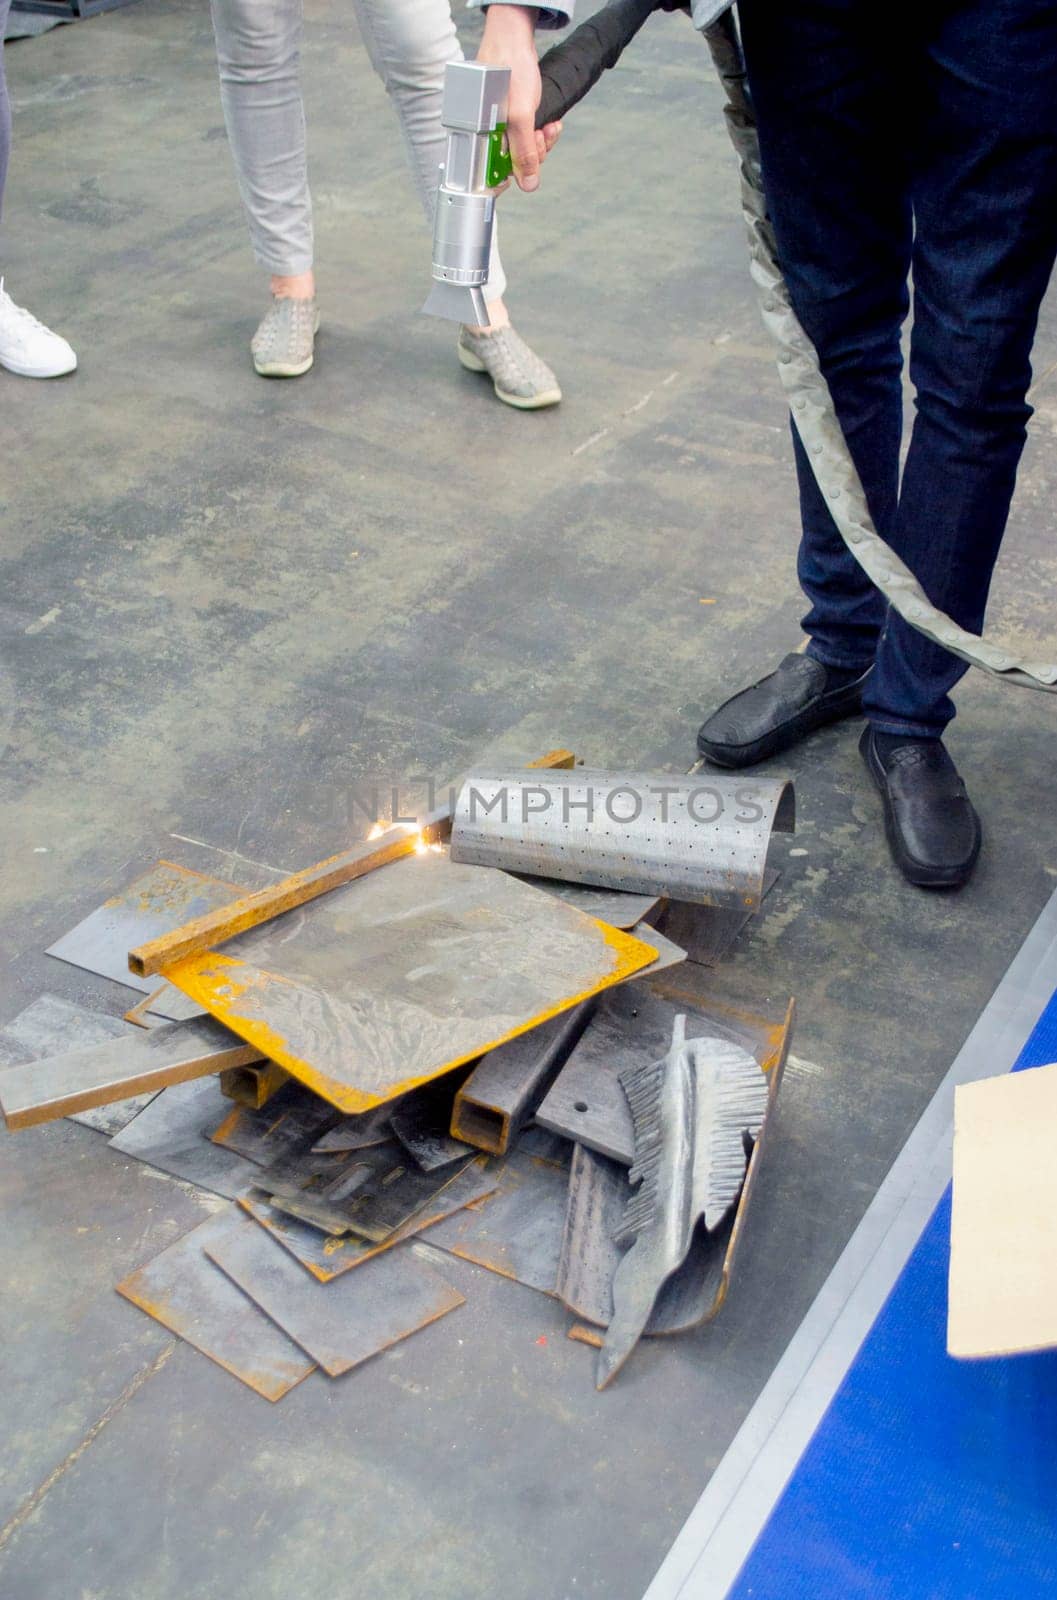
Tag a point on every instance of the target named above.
point(212, 979)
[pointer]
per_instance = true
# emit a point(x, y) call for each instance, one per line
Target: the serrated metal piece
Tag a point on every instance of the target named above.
point(691, 1112)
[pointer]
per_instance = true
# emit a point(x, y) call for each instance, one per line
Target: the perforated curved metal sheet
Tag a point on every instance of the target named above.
point(703, 838)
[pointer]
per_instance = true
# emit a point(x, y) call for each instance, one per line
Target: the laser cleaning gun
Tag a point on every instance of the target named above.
point(474, 115)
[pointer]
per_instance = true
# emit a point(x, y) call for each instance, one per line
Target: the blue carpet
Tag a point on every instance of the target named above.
point(928, 1478)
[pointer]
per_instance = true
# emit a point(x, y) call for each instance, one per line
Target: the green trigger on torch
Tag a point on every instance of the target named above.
point(500, 165)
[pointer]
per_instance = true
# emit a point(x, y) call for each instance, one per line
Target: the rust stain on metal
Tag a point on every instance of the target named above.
point(357, 1040)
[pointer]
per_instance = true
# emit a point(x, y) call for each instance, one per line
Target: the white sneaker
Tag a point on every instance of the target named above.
point(27, 346)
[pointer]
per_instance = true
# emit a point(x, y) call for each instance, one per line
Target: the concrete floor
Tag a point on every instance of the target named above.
point(226, 603)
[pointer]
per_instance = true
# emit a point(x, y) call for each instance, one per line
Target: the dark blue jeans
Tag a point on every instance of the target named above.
point(896, 139)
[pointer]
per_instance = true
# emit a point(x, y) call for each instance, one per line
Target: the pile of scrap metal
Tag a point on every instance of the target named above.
point(470, 1027)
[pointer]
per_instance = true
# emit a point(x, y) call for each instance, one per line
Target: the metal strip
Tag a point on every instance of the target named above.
point(50, 1025)
point(140, 1063)
point(709, 1552)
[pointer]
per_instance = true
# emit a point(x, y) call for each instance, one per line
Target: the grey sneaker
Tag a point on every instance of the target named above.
point(521, 379)
point(283, 346)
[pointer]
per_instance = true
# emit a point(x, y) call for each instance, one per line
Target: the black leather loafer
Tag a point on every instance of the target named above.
point(777, 712)
point(933, 830)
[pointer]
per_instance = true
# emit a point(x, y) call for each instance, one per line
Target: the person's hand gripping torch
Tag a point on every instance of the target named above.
point(474, 115)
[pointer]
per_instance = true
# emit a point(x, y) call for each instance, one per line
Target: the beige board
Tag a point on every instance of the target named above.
point(1003, 1272)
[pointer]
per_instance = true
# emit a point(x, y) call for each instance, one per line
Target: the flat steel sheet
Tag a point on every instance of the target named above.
point(614, 906)
point(50, 1026)
point(709, 933)
point(186, 1292)
point(702, 838)
point(338, 1324)
point(291, 1119)
point(172, 1134)
point(518, 1231)
point(158, 900)
point(633, 1025)
point(404, 974)
point(327, 1258)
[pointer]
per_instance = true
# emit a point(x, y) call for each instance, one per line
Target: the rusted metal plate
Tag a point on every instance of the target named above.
point(503, 1091)
point(249, 910)
point(141, 1016)
point(327, 1258)
point(338, 1324)
point(518, 1232)
point(188, 1294)
point(139, 1062)
point(709, 933)
point(633, 1024)
point(50, 1026)
point(172, 1134)
point(703, 838)
point(620, 910)
point(292, 1118)
point(405, 974)
point(218, 924)
point(152, 903)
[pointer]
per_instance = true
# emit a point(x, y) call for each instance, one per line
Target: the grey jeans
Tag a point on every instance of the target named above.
point(410, 42)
